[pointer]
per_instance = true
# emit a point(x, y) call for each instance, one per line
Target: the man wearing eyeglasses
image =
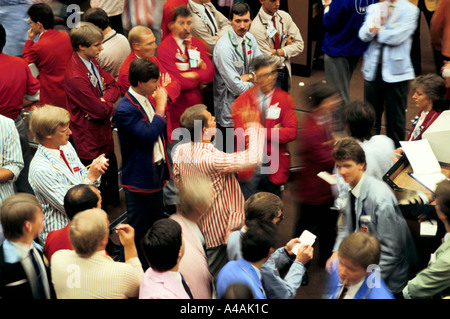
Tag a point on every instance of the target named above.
point(277, 113)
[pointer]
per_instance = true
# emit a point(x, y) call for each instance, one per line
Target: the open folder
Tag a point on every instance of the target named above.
point(426, 168)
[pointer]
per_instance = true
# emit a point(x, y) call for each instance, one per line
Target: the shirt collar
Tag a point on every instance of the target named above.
point(357, 189)
point(86, 62)
point(353, 289)
point(447, 237)
point(55, 153)
point(14, 252)
point(139, 97)
point(266, 16)
point(197, 6)
point(258, 272)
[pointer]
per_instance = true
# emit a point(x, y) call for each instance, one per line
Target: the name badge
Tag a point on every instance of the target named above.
point(194, 58)
point(271, 31)
point(273, 112)
point(93, 79)
point(179, 57)
point(238, 64)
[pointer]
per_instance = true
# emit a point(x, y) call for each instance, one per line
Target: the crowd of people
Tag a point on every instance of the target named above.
point(204, 116)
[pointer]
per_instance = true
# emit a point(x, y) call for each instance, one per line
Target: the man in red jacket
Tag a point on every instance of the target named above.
point(277, 112)
point(50, 53)
point(90, 95)
point(188, 60)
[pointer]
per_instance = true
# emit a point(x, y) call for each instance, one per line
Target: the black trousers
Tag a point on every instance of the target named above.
point(109, 183)
point(390, 99)
point(322, 222)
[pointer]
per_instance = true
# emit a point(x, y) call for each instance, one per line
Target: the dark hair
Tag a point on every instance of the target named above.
point(359, 117)
point(188, 118)
point(238, 291)
point(97, 16)
point(442, 194)
point(258, 240)
point(181, 11)
point(262, 206)
point(78, 198)
point(240, 9)
point(260, 62)
point(319, 91)
point(349, 149)
point(142, 70)
point(2, 37)
point(42, 12)
point(162, 244)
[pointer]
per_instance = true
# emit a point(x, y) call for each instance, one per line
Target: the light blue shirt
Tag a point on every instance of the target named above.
point(229, 66)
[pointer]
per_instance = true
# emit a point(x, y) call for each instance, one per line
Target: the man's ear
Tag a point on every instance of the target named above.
point(135, 46)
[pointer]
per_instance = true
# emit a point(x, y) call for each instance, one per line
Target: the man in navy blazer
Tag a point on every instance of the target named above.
point(141, 128)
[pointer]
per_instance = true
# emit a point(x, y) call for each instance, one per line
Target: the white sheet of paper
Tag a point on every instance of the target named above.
point(426, 168)
point(327, 177)
point(428, 228)
point(421, 157)
point(306, 238)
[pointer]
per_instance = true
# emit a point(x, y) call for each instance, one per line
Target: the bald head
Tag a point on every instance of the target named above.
point(89, 231)
point(142, 41)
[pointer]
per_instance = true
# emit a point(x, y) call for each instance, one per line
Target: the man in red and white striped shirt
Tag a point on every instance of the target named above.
point(200, 158)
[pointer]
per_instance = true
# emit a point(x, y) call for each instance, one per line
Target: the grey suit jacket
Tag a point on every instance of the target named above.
point(287, 26)
point(202, 30)
point(398, 251)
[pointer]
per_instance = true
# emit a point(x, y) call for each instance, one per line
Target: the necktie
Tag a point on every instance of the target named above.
point(264, 101)
point(352, 209)
point(212, 20)
point(186, 287)
point(158, 148)
point(40, 293)
point(99, 82)
point(276, 36)
point(65, 160)
point(245, 57)
point(343, 293)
